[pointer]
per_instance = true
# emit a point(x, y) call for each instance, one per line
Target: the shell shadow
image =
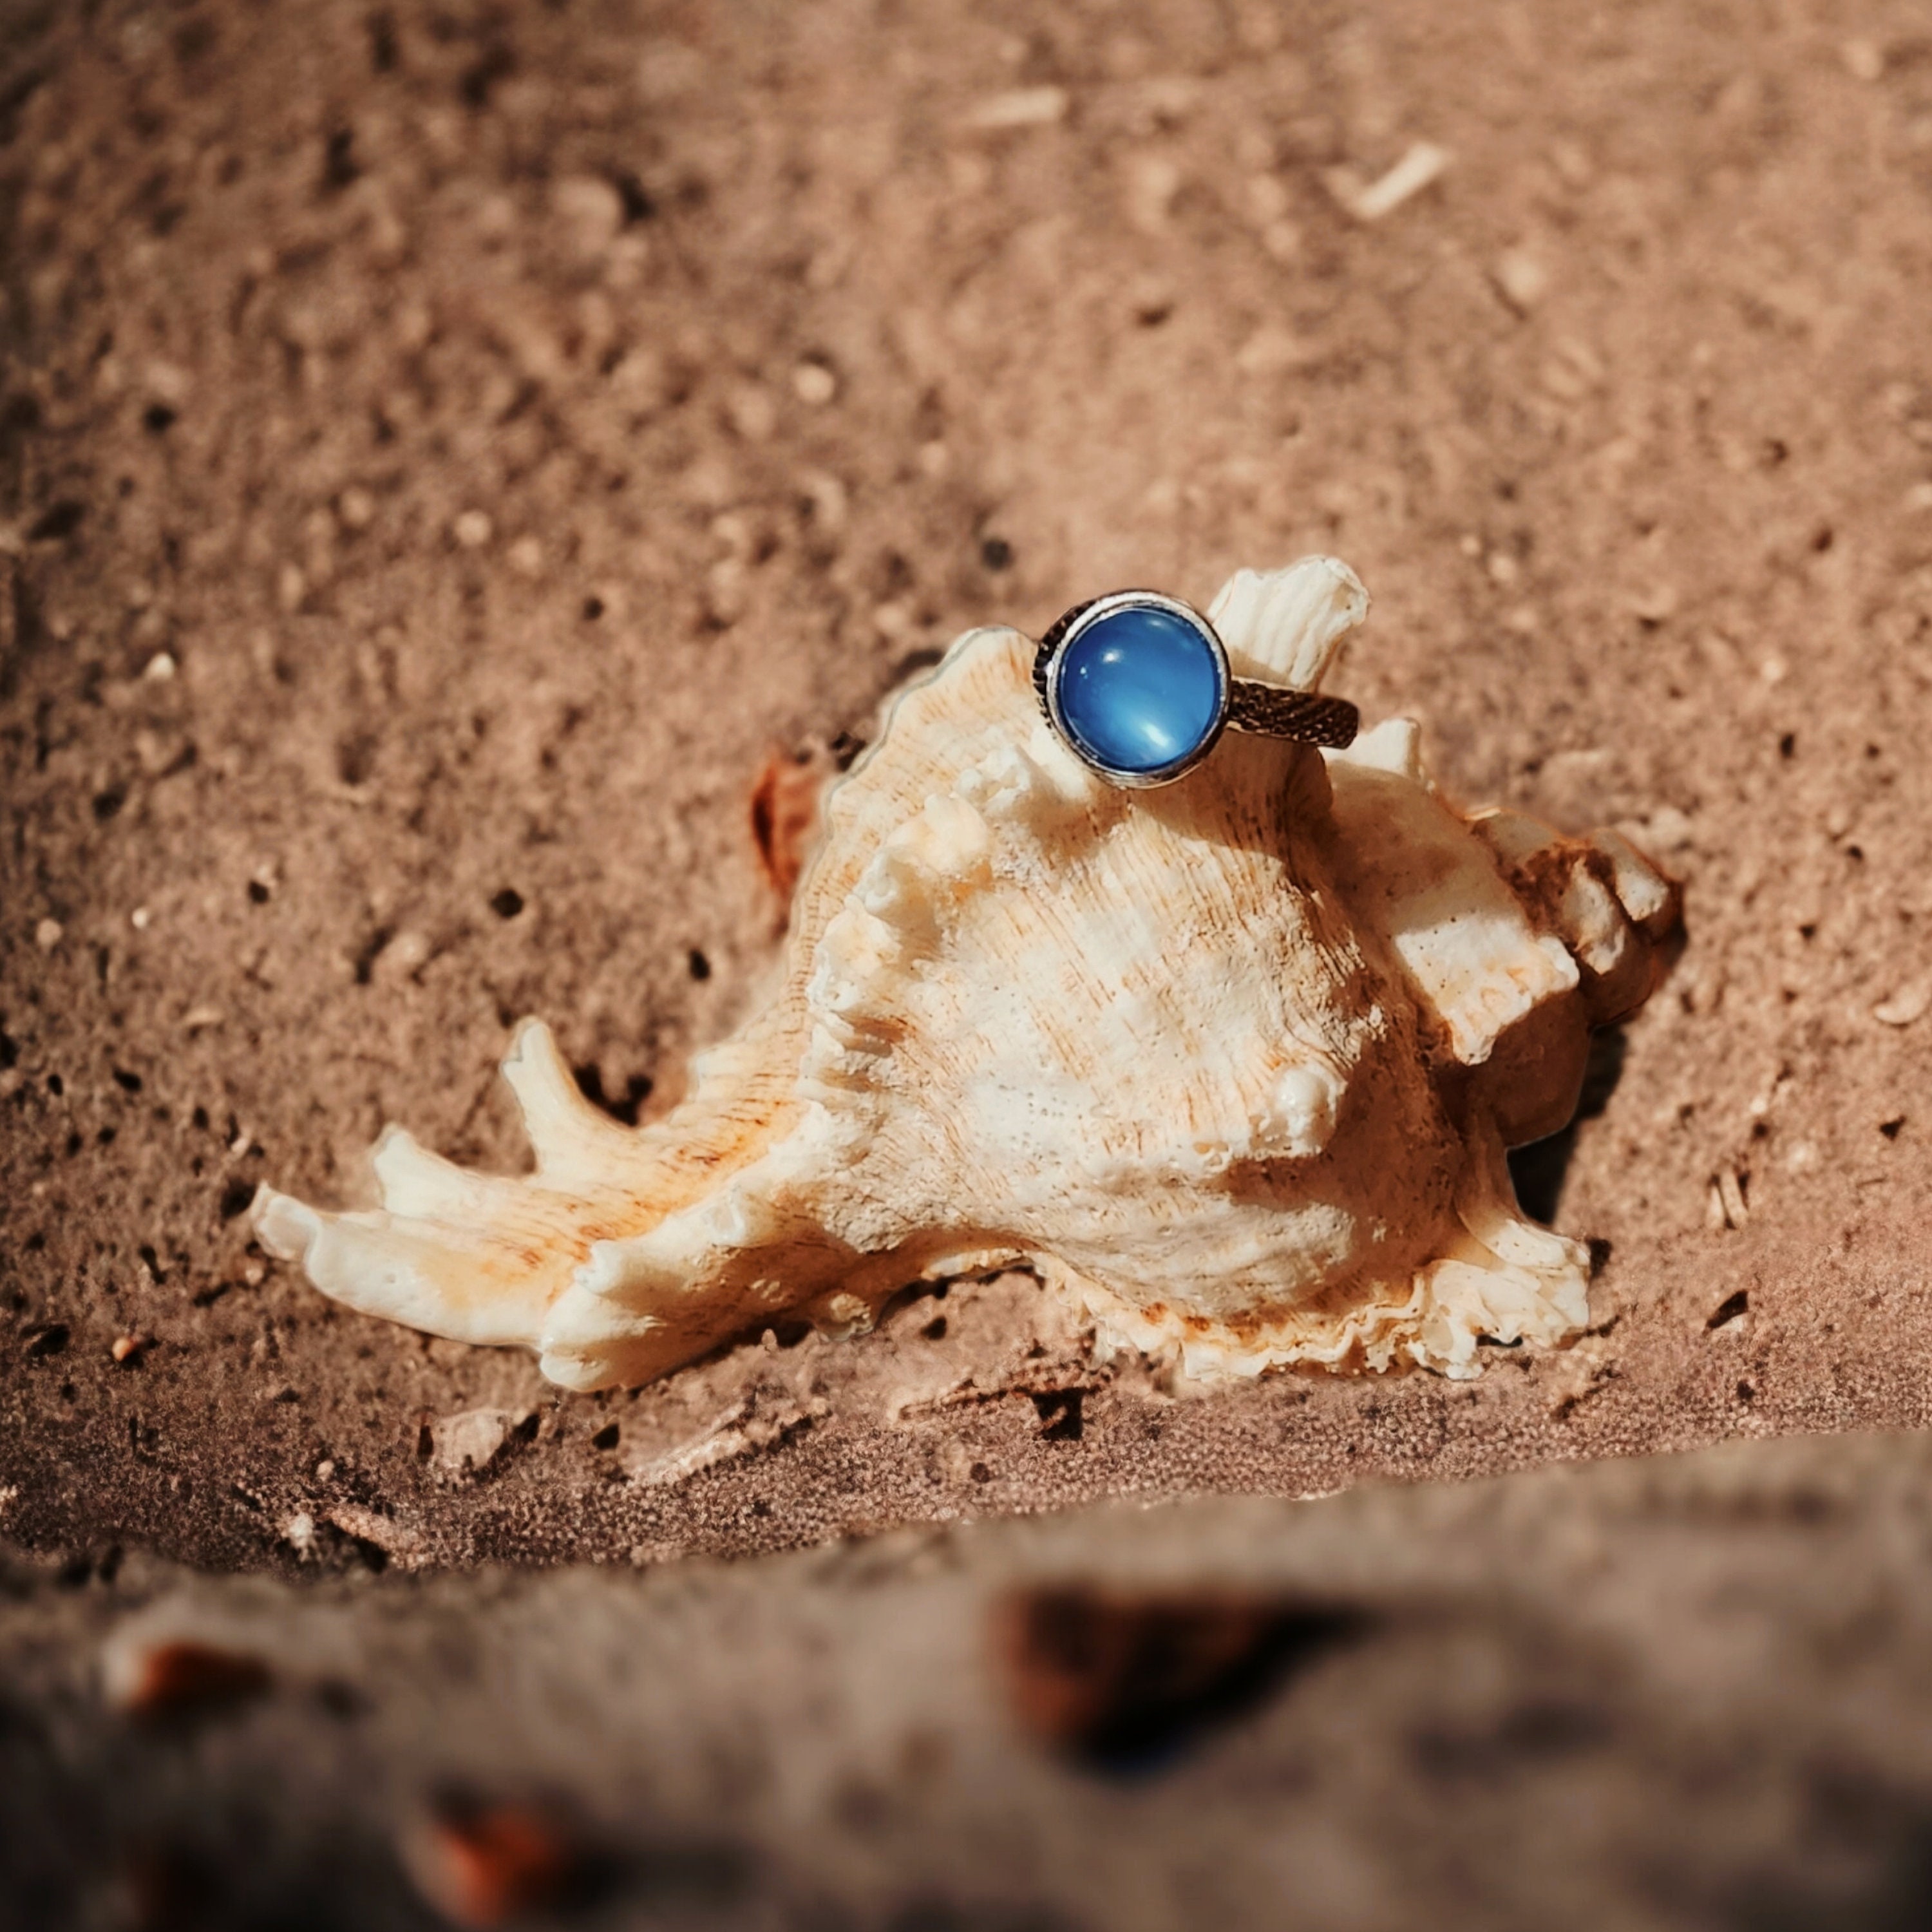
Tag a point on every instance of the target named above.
point(1540, 1168)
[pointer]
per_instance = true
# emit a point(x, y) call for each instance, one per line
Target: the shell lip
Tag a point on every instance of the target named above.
point(1050, 663)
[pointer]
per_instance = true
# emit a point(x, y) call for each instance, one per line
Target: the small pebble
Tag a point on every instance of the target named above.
point(1152, 182)
point(1023, 107)
point(470, 1440)
point(127, 1347)
point(1521, 280)
point(408, 952)
point(47, 935)
point(140, 919)
point(472, 529)
point(177, 1678)
point(1733, 1210)
point(355, 508)
point(727, 593)
point(1422, 165)
point(159, 668)
point(1908, 1004)
point(1653, 603)
point(484, 1865)
point(589, 211)
point(829, 500)
point(1667, 830)
point(814, 383)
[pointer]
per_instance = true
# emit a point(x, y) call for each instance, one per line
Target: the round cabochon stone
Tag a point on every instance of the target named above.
point(1140, 689)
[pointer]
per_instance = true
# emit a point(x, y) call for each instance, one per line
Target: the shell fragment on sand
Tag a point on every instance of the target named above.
point(1422, 164)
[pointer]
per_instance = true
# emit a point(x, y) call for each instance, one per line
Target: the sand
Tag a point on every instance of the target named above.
point(446, 454)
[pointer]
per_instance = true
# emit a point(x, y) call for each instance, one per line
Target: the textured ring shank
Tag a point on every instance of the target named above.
point(1306, 716)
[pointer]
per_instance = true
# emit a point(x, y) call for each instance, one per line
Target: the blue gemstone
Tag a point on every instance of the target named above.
point(1140, 690)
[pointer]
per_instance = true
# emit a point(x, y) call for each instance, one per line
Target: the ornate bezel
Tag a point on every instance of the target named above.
point(1052, 659)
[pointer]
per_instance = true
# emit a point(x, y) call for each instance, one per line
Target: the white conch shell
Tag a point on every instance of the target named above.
point(1234, 1061)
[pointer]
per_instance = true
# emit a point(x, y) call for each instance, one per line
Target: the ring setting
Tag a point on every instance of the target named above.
point(1137, 685)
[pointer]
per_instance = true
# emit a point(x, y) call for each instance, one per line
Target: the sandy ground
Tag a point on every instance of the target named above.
point(447, 451)
point(447, 454)
point(1679, 1695)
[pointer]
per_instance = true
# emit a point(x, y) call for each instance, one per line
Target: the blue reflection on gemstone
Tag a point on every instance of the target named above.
point(1140, 689)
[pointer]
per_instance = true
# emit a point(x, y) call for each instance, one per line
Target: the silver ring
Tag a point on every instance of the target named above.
point(1137, 686)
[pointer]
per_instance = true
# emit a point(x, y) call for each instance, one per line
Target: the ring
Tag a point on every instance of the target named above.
point(1138, 684)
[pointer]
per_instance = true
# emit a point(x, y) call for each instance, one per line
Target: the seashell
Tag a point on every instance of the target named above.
point(1234, 1063)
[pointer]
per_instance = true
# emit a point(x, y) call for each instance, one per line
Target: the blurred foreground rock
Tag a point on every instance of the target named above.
point(1690, 1692)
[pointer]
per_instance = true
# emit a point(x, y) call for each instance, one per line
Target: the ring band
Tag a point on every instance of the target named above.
point(1308, 717)
point(1138, 686)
